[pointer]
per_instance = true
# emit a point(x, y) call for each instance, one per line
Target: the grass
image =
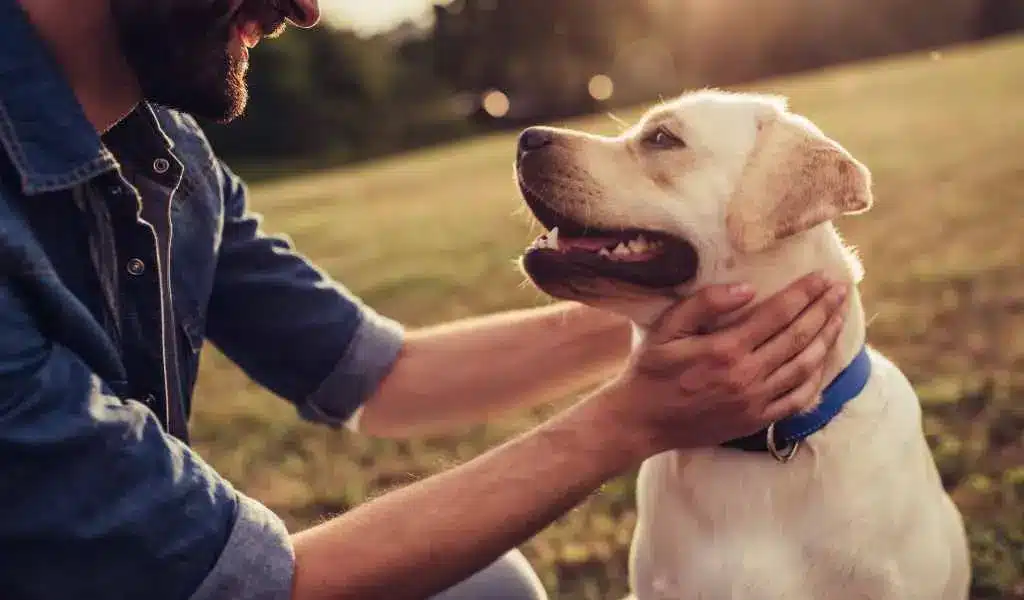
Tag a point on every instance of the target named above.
point(431, 236)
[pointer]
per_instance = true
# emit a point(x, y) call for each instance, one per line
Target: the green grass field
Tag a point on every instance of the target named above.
point(432, 236)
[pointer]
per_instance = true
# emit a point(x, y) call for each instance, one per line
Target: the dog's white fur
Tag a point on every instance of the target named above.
point(860, 511)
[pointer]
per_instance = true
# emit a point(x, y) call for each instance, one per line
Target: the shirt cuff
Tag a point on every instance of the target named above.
point(370, 356)
point(258, 561)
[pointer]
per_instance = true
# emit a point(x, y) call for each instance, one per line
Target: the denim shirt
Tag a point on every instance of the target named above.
point(120, 257)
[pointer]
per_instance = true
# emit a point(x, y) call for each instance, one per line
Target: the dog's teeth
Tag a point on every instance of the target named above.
point(552, 238)
point(621, 250)
point(638, 245)
point(604, 252)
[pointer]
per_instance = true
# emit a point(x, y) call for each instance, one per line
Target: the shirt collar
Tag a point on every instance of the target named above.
point(43, 128)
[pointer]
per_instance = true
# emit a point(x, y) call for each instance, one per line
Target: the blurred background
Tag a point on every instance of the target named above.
point(382, 143)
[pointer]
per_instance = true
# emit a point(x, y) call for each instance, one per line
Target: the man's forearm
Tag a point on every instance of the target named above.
point(417, 541)
point(470, 370)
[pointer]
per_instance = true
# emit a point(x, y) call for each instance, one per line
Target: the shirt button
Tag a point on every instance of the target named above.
point(136, 266)
point(116, 191)
point(161, 165)
point(150, 399)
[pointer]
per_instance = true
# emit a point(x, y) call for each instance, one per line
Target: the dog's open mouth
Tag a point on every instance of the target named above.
point(570, 250)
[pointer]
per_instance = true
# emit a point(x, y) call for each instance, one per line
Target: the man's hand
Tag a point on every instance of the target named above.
point(685, 389)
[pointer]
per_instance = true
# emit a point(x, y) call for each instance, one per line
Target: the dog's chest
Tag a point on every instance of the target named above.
point(739, 537)
point(724, 527)
point(682, 551)
point(723, 570)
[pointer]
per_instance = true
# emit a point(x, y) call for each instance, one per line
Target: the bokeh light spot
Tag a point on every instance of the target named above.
point(601, 87)
point(496, 104)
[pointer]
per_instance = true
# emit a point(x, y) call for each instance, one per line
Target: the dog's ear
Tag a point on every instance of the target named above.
point(795, 179)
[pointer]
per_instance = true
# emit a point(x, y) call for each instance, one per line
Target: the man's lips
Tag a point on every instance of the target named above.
point(255, 19)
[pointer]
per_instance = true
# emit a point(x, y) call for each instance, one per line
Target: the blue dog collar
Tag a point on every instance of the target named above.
point(781, 439)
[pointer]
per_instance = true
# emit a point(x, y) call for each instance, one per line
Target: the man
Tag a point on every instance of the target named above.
point(125, 244)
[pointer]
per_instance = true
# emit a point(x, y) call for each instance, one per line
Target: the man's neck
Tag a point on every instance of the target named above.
point(84, 44)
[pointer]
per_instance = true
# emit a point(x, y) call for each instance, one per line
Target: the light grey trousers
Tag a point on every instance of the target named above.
point(509, 578)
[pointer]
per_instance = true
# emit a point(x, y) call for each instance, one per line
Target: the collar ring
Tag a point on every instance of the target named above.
point(783, 455)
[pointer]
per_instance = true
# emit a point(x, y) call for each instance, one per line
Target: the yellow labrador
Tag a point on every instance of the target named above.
point(842, 502)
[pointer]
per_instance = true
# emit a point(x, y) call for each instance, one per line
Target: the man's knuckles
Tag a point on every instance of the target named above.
point(742, 377)
point(726, 350)
point(802, 337)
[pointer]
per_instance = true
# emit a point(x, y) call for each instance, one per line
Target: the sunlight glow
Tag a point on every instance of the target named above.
point(373, 16)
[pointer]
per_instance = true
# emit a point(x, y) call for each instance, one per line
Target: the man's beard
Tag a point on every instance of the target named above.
point(180, 52)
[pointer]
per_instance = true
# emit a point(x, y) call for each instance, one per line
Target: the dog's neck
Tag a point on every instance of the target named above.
point(819, 249)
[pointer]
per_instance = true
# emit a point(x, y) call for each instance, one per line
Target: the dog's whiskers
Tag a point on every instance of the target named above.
point(618, 121)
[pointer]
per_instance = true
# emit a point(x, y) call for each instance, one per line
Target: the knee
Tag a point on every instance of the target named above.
point(509, 578)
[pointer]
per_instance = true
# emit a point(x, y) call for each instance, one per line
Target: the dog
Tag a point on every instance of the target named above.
point(716, 187)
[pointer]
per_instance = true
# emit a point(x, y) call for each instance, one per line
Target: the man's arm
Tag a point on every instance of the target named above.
point(288, 325)
point(417, 541)
point(470, 370)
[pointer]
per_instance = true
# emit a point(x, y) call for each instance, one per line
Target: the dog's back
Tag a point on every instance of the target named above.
point(858, 513)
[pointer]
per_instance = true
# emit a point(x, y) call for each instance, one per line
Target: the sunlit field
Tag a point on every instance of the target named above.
point(433, 235)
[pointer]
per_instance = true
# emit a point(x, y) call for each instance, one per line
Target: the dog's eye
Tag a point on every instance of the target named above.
point(663, 139)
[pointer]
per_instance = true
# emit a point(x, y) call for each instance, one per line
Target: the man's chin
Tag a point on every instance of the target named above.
point(212, 88)
point(218, 105)
point(226, 113)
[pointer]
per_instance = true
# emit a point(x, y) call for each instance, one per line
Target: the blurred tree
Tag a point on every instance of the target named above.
point(1000, 16)
point(328, 95)
point(540, 53)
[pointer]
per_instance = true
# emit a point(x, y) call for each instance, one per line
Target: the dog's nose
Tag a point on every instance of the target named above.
point(534, 138)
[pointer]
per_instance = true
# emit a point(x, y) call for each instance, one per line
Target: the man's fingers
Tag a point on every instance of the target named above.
point(830, 334)
point(804, 366)
point(774, 314)
point(690, 315)
point(797, 400)
point(817, 323)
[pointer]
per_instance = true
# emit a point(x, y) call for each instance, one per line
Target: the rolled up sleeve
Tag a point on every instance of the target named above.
point(257, 562)
point(290, 326)
point(96, 501)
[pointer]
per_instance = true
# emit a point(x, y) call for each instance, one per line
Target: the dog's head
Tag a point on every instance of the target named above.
point(677, 202)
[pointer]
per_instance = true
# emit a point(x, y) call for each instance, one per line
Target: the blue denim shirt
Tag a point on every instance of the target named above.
point(104, 311)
